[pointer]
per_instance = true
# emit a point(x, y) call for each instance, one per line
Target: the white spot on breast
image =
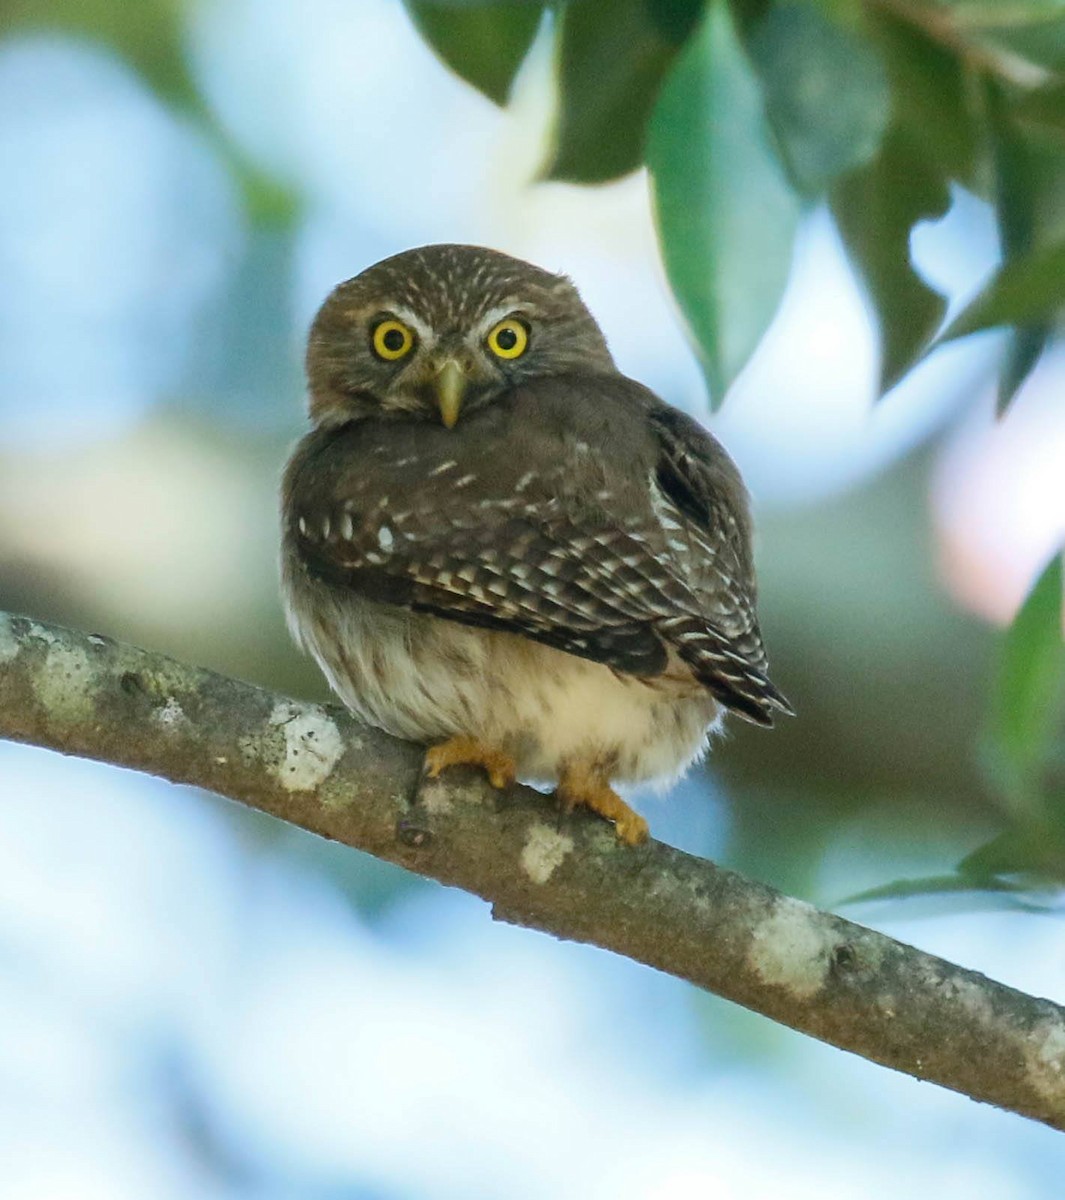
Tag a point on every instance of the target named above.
point(444, 466)
point(385, 538)
point(465, 481)
point(313, 746)
point(544, 852)
point(327, 527)
point(347, 527)
point(792, 948)
point(303, 526)
point(524, 481)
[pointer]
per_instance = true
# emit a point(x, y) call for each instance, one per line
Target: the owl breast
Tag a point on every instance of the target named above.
point(424, 678)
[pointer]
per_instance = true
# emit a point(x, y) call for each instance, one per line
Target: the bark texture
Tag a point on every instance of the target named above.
point(314, 766)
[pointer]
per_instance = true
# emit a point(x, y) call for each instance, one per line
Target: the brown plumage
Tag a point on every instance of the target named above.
point(497, 540)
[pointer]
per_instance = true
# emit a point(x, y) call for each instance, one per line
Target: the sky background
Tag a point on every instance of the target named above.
point(200, 1002)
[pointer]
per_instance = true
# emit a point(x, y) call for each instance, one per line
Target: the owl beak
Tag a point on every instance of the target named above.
point(450, 385)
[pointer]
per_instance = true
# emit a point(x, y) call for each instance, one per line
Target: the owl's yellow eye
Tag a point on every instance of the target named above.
point(508, 339)
point(392, 340)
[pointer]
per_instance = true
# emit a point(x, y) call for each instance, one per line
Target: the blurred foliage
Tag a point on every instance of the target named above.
point(150, 37)
point(612, 57)
point(1028, 703)
point(877, 106)
point(1021, 754)
point(744, 110)
point(726, 218)
point(875, 209)
point(483, 43)
point(745, 113)
point(1022, 745)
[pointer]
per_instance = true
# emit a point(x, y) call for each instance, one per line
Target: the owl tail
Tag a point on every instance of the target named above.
point(733, 679)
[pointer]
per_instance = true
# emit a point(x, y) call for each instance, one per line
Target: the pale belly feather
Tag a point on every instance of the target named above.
point(426, 679)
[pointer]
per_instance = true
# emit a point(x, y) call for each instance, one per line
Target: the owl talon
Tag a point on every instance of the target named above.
point(467, 751)
point(583, 787)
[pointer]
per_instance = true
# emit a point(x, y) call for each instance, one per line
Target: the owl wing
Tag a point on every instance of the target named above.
point(534, 572)
point(658, 570)
point(701, 502)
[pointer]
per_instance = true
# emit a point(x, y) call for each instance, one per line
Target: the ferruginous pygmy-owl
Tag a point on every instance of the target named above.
point(496, 543)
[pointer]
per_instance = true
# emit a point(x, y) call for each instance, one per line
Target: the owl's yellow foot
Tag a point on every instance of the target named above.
point(581, 786)
point(467, 751)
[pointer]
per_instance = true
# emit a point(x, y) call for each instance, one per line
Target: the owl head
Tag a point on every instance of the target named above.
point(439, 332)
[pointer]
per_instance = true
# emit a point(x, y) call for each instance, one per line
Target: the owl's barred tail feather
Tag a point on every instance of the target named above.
point(734, 680)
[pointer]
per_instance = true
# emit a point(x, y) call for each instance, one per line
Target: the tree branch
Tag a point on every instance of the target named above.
point(314, 766)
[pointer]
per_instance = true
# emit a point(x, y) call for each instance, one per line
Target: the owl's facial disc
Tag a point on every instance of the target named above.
point(439, 332)
point(445, 370)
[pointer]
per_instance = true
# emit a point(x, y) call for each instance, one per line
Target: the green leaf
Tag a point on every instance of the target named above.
point(1028, 702)
point(1033, 851)
point(1028, 290)
point(1025, 860)
point(932, 98)
point(932, 885)
point(726, 216)
point(826, 92)
point(1029, 196)
point(484, 44)
point(611, 58)
point(876, 209)
point(1040, 114)
point(1035, 34)
point(1023, 352)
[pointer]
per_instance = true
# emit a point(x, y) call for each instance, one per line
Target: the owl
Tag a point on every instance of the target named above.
point(496, 544)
